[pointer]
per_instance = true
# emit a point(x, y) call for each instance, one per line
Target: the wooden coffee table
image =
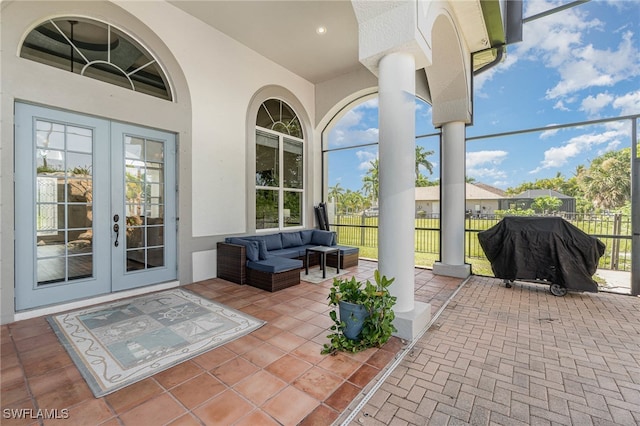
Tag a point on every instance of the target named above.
point(322, 251)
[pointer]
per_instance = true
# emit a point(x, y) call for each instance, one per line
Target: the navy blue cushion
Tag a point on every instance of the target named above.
point(275, 264)
point(291, 239)
point(264, 253)
point(274, 242)
point(252, 250)
point(306, 236)
point(348, 250)
point(262, 246)
point(291, 252)
point(323, 238)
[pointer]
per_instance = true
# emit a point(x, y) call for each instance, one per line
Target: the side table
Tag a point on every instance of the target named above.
point(322, 251)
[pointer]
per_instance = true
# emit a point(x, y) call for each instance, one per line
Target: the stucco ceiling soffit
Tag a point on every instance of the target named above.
point(472, 24)
point(386, 27)
point(285, 32)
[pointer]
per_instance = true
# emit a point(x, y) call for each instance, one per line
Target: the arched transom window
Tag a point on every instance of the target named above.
point(279, 166)
point(97, 50)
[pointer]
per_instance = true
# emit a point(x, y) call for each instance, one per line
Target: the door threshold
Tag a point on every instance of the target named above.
point(50, 310)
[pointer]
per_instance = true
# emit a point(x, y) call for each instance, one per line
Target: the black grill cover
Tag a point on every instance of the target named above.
point(542, 248)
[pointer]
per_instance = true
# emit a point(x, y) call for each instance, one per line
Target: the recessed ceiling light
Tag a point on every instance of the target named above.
point(321, 30)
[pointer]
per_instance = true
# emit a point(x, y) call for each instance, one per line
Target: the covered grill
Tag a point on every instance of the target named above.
point(543, 249)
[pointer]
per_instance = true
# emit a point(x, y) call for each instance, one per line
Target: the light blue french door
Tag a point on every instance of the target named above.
point(94, 206)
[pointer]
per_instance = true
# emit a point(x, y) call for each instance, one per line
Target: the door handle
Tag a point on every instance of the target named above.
point(116, 229)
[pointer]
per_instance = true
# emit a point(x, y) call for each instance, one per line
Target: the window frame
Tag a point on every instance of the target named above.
point(280, 189)
point(97, 69)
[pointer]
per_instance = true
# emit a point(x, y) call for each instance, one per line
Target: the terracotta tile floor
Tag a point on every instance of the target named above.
point(275, 375)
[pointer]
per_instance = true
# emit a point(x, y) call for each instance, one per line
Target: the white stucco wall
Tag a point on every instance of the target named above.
point(220, 78)
point(223, 75)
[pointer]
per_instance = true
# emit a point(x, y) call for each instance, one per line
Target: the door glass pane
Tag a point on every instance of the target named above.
point(80, 267)
point(63, 202)
point(144, 203)
point(79, 139)
point(50, 135)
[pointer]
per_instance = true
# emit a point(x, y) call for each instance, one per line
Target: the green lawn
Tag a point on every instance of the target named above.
point(362, 232)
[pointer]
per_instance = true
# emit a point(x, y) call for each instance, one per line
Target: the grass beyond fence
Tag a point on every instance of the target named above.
point(361, 231)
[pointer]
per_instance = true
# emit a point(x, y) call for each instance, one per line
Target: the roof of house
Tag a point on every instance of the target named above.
point(473, 192)
point(535, 193)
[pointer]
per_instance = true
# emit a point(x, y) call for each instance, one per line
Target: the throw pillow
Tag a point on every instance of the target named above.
point(252, 249)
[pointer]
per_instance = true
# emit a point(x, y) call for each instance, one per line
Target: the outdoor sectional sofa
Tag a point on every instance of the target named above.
point(273, 261)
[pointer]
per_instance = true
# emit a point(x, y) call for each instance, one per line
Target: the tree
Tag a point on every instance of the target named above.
point(546, 204)
point(607, 181)
point(353, 201)
point(335, 193)
point(421, 160)
point(370, 181)
point(558, 183)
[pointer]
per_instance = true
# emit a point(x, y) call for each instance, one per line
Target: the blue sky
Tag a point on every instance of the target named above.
point(576, 65)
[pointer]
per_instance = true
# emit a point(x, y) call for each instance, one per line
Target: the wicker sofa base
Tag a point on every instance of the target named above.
point(273, 281)
point(231, 260)
point(346, 260)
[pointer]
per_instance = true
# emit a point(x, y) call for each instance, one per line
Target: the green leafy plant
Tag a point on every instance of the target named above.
point(376, 299)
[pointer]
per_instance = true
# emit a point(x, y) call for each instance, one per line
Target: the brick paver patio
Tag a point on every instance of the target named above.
point(518, 356)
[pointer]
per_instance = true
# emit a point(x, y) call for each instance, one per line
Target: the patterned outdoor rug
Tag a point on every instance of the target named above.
point(120, 343)
point(315, 274)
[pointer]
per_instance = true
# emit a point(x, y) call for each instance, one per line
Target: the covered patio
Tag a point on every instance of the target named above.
point(252, 380)
point(491, 355)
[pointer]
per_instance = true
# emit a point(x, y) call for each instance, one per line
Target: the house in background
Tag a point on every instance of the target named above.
point(524, 200)
point(480, 199)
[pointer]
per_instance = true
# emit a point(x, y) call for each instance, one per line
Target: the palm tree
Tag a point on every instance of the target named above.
point(352, 201)
point(421, 160)
point(370, 182)
point(336, 192)
point(607, 182)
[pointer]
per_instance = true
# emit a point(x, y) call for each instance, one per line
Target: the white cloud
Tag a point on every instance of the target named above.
point(549, 133)
point(347, 132)
point(588, 66)
point(557, 40)
point(560, 105)
point(484, 173)
point(611, 146)
point(628, 104)
point(365, 158)
point(558, 156)
point(478, 158)
point(479, 165)
point(479, 80)
point(592, 105)
point(371, 103)
point(350, 119)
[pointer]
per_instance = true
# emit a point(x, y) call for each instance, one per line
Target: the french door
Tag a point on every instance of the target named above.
point(94, 206)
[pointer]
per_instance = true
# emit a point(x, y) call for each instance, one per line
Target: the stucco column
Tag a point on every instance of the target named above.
point(452, 219)
point(396, 179)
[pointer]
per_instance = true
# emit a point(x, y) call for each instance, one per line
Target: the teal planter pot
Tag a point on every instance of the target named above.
point(353, 316)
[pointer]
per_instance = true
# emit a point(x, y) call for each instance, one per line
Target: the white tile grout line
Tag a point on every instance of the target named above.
point(399, 359)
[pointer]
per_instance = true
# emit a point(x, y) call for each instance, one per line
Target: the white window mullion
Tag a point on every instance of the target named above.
point(281, 181)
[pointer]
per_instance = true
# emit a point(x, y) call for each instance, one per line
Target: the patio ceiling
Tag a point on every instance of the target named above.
point(286, 31)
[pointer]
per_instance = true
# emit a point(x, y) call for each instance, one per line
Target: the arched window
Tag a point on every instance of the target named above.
point(97, 50)
point(279, 166)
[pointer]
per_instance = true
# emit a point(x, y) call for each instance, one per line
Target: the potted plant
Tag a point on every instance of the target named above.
point(366, 314)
